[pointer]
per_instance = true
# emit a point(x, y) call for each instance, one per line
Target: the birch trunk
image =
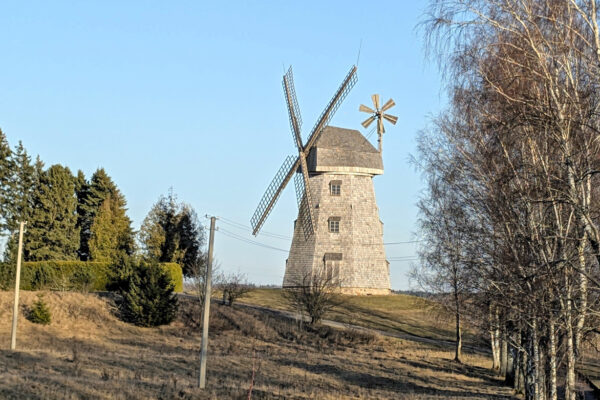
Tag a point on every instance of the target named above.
point(531, 374)
point(503, 354)
point(583, 295)
point(494, 337)
point(519, 364)
point(570, 393)
point(552, 359)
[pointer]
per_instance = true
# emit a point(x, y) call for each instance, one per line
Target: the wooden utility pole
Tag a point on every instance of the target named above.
point(206, 308)
point(13, 335)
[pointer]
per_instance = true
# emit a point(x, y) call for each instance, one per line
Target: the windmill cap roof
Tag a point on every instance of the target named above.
point(344, 150)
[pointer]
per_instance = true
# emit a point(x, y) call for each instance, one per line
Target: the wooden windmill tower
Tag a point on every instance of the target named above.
point(338, 231)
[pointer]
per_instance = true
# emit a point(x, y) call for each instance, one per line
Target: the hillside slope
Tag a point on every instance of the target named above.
point(87, 353)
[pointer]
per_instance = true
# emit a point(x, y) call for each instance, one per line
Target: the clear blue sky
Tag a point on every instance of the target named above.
point(188, 95)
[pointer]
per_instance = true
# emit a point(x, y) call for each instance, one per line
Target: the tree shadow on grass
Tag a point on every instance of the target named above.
point(412, 384)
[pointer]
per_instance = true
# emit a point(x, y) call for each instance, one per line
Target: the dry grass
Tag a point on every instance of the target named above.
point(398, 313)
point(87, 353)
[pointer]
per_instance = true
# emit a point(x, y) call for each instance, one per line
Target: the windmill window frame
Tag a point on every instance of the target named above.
point(335, 188)
point(334, 224)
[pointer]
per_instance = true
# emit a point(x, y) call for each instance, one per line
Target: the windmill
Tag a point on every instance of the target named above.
point(292, 164)
point(379, 115)
point(338, 231)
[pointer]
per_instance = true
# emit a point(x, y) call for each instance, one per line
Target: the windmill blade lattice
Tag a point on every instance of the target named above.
point(304, 214)
point(337, 99)
point(292, 105)
point(271, 195)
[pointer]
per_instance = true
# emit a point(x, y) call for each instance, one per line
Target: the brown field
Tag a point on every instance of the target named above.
point(87, 353)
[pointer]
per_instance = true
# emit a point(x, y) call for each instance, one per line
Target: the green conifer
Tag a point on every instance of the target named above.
point(111, 235)
point(91, 196)
point(52, 233)
point(171, 232)
point(6, 171)
point(148, 298)
point(20, 205)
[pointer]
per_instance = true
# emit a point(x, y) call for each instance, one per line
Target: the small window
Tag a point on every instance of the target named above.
point(334, 224)
point(335, 188)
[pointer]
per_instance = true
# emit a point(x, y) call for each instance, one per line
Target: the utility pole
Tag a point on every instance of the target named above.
point(13, 335)
point(206, 308)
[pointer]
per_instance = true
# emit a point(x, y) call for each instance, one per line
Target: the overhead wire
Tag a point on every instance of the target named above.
point(248, 241)
point(248, 228)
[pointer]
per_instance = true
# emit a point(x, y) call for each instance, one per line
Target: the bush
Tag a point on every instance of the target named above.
point(148, 298)
point(64, 275)
point(76, 275)
point(233, 286)
point(175, 274)
point(7, 275)
point(82, 280)
point(39, 313)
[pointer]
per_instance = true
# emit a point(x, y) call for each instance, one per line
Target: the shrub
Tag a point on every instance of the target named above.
point(233, 286)
point(83, 280)
point(175, 274)
point(7, 275)
point(148, 298)
point(39, 313)
point(119, 273)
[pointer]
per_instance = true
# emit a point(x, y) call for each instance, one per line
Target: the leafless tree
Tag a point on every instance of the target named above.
point(522, 133)
point(198, 276)
point(233, 285)
point(447, 229)
point(315, 293)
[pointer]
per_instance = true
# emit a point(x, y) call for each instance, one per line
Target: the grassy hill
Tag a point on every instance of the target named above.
point(396, 313)
point(87, 353)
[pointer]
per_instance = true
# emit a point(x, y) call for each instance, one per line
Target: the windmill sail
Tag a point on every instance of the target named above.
point(295, 164)
point(304, 211)
point(279, 182)
point(292, 105)
point(334, 103)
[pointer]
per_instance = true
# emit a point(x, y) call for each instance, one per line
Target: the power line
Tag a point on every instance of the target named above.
point(406, 242)
point(249, 241)
point(247, 228)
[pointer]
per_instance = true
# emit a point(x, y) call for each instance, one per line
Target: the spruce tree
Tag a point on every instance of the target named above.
point(6, 169)
point(20, 204)
point(24, 181)
point(81, 192)
point(191, 239)
point(52, 233)
point(91, 196)
point(111, 236)
point(171, 232)
point(148, 298)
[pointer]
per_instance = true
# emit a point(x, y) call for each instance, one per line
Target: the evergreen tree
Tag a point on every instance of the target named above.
point(24, 181)
point(6, 168)
point(171, 232)
point(52, 233)
point(20, 205)
point(191, 239)
point(91, 196)
point(148, 298)
point(111, 235)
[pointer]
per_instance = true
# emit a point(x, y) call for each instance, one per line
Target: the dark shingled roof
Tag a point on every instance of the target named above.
point(344, 150)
